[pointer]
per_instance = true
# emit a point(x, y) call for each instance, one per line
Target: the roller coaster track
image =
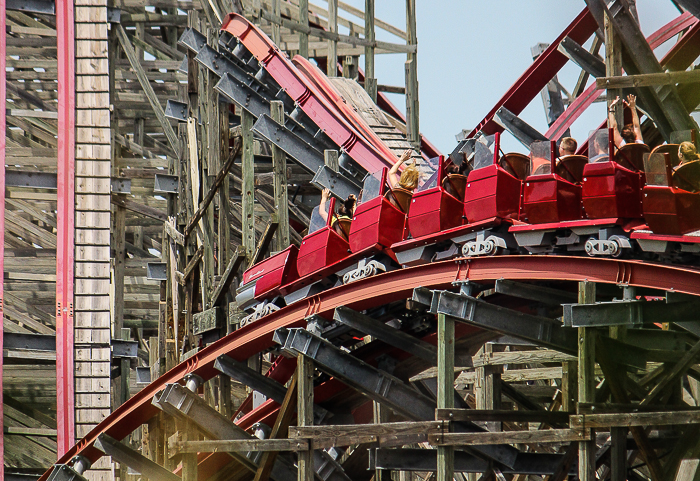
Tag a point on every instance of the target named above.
point(379, 290)
point(371, 292)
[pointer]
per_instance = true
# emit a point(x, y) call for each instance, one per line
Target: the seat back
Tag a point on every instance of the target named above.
point(516, 164)
point(570, 167)
point(631, 156)
point(455, 185)
point(671, 150)
point(687, 176)
point(342, 227)
point(400, 198)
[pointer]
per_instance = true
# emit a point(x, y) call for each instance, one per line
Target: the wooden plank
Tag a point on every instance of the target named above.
point(648, 80)
point(145, 84)
point(279, 187)
point(248, 187)
point(608, 420)
point(227, 277)
point(445, 389)
point(548, 417)
point(212, 191)
point(239, 445)
point(305, 415)
point(586, 380)
point(133, 206)
point(509, 437)
point(332, 62)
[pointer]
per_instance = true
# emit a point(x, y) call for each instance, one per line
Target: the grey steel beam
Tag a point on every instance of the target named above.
point(551, 93)
point(376, 384)
point(690, 5)
point(589, 62)
point(545, 295)
point(629, 313)
point(33, 6)
point(303, 152)
point(540, 330)
point(36, 342)
point(29, 179)
point(387, 334)
point(340, 185)
point(242, 95)
point(426, 460)
point(192, 39)
point(520, 129)
point(239, 371)
point(136, 461)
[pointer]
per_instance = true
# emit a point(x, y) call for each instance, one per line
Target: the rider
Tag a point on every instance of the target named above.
point(410, 175)
point(630, 133)
point(344, 212)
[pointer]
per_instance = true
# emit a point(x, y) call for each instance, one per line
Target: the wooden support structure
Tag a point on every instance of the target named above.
point(305, 417)
point(445, 390)
point(586, 380)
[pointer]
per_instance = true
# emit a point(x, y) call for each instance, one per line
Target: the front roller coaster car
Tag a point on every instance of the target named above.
point(265, 278)
point(322, 246)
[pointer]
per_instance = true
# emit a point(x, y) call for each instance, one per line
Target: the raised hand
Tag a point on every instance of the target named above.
point(632, 101)
point(325, 194)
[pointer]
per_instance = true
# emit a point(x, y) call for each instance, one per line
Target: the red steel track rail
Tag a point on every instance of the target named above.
point(65, 388)
point(382, 289)
point(305, 95)
point(3, 140)
point(678, 58)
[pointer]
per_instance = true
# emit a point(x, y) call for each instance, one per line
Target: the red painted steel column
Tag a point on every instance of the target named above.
point(3, 93)
point(65, 388)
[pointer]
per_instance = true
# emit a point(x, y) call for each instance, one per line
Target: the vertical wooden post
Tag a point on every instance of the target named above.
point(586, 380)
point(276, 35)
point(445, 389)
point(332, 67)
point(488, 387)
point(189, 461)
point(248, 186)
point(569, 392)
point(304, 20)
point(330, 158)
point(412, 124)
point(305, 415)
point(613, 67)
point(279, 166)
point(618, 435)
point(370, 79)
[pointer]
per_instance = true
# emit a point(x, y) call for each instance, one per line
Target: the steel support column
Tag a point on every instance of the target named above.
point(65, 415)
point(3, 93)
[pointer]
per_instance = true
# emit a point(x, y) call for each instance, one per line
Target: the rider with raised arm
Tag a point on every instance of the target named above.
point(630, 133)
point(409, 177)
point(345, 211)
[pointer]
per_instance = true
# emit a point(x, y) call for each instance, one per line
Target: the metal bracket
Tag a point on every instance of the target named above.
point(123, 349)
point(157, 271)
point(166, 184)
point(176, 110)
point(121, 185)
point(337, 183)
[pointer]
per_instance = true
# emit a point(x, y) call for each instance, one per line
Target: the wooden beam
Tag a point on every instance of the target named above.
point(212, 191)
point(548, 417)
point(174, 234)
point(305, 417)
point(264, 242)
point(269, 446)
point(304, 23)
point(146, 86)
point(323, 437)
point(279, 182)
point(672, 376)
point(133, 206)
point(326, 35)
point(445, 390)
point(659, 418)
point(332, 60)
point(509, 437)
point(586, 380)
point(649, 80)
point(370, 78)
point(227, 277)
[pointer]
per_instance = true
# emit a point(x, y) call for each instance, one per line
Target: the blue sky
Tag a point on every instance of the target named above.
point(470, 52)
